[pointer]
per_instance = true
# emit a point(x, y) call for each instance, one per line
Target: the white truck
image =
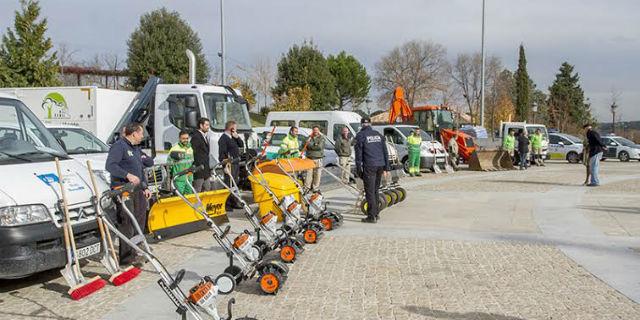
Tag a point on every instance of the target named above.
point(94, 109)
point(530, 128)
point(31, 238)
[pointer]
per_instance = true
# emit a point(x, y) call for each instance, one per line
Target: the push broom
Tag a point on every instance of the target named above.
point(119, 276)
point(79, 286)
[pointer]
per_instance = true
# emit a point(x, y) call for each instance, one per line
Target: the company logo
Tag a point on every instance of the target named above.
point(56, 106)
point(215, 209)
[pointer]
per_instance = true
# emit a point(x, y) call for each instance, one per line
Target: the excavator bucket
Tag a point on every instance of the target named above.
point(490, 160)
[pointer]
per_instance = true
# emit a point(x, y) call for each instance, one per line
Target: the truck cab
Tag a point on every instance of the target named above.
point(530, 128)
point(30, 214)
point(166, 109)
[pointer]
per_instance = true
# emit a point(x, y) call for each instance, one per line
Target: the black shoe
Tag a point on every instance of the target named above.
point(368, 220)
point(418, 174)
point(377, 218)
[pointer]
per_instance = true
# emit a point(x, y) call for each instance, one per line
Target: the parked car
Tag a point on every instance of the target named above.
point(432, 152)
point(621, 148)
point(565, 147)
point(330, 156)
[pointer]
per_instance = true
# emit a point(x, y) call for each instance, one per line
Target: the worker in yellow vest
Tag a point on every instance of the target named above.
point(181, 158)
point(290, 146)
point(414, 142)
point(509, 144)
point(536, 147)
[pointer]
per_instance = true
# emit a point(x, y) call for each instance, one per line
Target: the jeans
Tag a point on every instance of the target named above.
point(524, 157)
point(594, 164)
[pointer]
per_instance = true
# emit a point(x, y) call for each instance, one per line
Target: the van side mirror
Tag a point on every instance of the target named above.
point(191, 119)
point(190, 102)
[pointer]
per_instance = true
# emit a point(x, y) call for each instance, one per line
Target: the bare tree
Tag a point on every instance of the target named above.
point(113, 62)
point(65, 58)
point(417, 66)
point(263, 77)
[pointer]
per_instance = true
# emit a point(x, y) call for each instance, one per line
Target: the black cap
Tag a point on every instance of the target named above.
point(365, 120)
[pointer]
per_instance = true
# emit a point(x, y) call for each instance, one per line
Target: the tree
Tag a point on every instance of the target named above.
point(568, 110)
point(523, 88)
point(262, 77)
point(351, 80)
point(158, 46)
point(245, 88)
point(499, 98)
point(25, 51)
point(420, 67)
point(296, 99)
point(305, 66)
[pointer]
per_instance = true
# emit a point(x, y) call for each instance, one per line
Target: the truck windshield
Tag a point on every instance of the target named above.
point(220, 110)
point(23, 137)
point(532, 129)
point(78, 141)
point(430, 120)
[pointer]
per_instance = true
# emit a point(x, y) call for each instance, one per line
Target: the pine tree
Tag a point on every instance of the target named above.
point(158, 46)
point(24, 55)
point(523, 88)
point(352, 81)
point(568, 110)
point(305, 66)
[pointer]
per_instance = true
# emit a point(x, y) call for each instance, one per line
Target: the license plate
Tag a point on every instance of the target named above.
point(440, 160)
point(89, 251)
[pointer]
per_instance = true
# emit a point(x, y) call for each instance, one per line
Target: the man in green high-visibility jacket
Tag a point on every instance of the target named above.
point(290, 146)
point(414, 142)
point(536, 147)
point(181, 158)
point(509, 143)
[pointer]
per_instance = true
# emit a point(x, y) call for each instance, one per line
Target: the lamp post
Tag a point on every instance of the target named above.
point(482, 72)
point(614, 106)
point(221, 53)
point(535, 110)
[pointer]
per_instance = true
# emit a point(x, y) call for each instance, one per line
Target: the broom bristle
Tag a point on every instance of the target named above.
point(87, 288)
point(125, 276)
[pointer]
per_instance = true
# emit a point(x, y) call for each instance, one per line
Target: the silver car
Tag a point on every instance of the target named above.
point(565, 147)
point(621, 148)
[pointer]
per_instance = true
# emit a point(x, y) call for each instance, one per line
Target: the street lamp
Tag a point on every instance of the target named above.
point(614, 106)
point(535, 110)
point(482, 72)
point(221, 53)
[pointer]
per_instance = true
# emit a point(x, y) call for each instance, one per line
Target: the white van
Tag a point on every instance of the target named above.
point(330, 122)
point(30, 217)
point(531, 129)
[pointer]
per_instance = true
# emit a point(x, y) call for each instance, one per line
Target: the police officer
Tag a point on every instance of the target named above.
point(126, 163)
point(371, 161)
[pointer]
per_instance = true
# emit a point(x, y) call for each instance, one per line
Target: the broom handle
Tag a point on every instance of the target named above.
point(65, 210)
point(105, 234)
point(267, 142)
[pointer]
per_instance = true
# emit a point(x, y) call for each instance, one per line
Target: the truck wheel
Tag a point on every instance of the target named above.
point(573, 157)
point(623, 156)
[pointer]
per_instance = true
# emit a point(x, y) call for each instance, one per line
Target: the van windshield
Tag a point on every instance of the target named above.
point(78, 141)
point(23, 138)
point(220, 110)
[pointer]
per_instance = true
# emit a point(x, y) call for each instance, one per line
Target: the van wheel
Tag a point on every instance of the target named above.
point(573, 157)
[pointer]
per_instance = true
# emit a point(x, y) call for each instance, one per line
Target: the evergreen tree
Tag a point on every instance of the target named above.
point(305, 66)
point(567, 109)
point(352, 81)
point(25, 60)
point(523, 88)
point(158, 46)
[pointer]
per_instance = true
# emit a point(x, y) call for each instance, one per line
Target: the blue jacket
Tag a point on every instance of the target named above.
point(125, 158)
point(371, 149)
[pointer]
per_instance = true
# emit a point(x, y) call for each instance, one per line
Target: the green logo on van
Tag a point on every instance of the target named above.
point(56, 106)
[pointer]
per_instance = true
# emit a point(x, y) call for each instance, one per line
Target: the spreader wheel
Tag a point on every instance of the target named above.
point(288, 253)
point(382, 202)
point(236, 272)
point(403, 193)
point(310, 235)
point(270, 281)
point(393, 195)
point(226, 283)
point(327, 223)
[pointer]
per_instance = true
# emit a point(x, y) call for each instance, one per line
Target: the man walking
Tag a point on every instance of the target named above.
point(229, 147)
point(536, 147)
point(372, 160)
point(343, 149)
point(415, 142)
point(523, 149)
point(200, 145)
point(452, 147)
point(290, 146)
point(126, 163)
point(181, 158)
point(315, 152)
point(596, 148)
point(509, 144)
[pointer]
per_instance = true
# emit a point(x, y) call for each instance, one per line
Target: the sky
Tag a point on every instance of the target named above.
point(601, 38)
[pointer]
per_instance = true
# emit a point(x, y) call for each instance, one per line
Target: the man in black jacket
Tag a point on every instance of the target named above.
point(372, 160)
point(126, 163)
point(229, 147)
point(523, 148)
point(200, 146)
point(596, 148)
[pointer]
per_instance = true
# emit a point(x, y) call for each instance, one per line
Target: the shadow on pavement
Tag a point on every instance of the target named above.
point(536, 182)
point(440, 314)
point(43, 312)
point(632, 210)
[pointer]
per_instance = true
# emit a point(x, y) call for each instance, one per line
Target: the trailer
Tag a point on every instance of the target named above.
point(94, 109)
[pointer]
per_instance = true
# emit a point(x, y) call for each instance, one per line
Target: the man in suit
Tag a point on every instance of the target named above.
point(229, 147)
point(200, 146)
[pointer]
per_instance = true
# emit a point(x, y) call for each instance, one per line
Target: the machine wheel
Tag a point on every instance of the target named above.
point(387, 198)
point(327, 223)
point(226, 283)
point(264, 247)
point(623, 156)
point(393, 195)
point(270, 281)
point(363, 206)
point(288, 253)
point(397, 195)
point(573, 157)
point(257, 251)
point(403, 193)
point(382, 202)
point(310, 235)
point(235, 272)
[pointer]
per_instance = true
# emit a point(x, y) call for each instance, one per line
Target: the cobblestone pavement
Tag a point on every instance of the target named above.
point(471, 245)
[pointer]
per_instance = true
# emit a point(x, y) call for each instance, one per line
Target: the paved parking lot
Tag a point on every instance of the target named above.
point(472, 245)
